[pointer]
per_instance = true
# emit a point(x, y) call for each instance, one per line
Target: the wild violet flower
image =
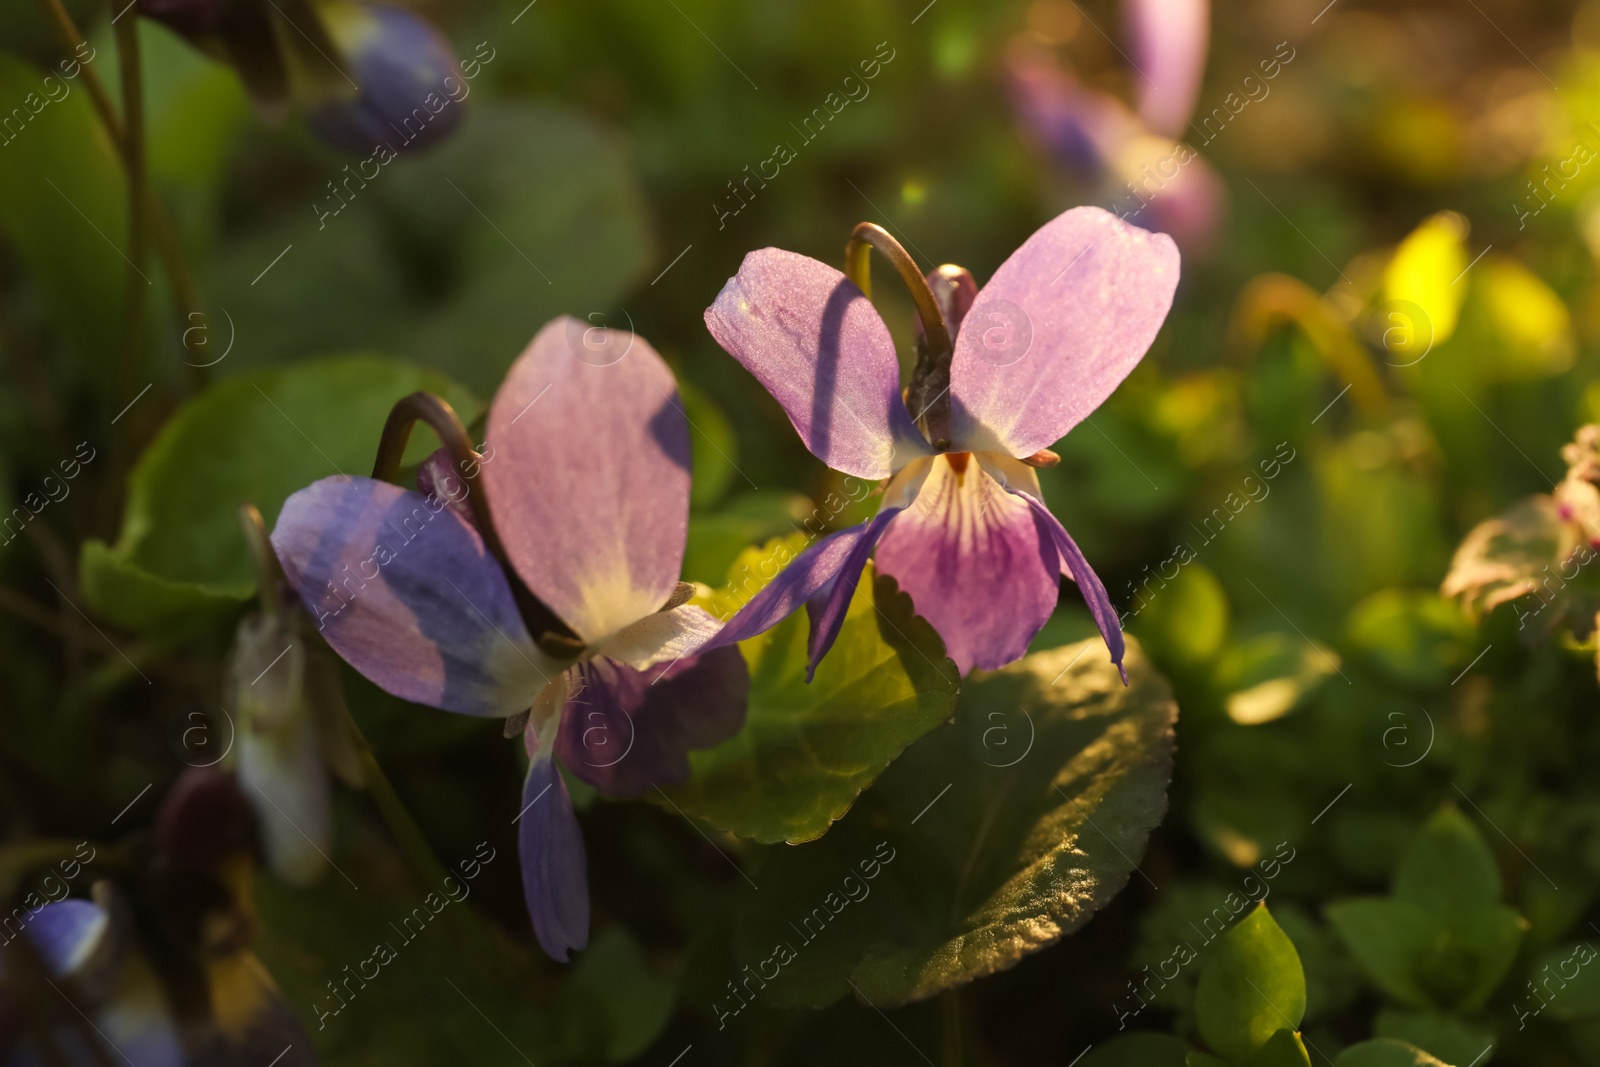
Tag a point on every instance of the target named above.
point(963, 527)
point(1129, 154)
point(586, 479)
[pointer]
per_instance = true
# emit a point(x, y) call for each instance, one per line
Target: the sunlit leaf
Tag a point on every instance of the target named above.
point(1386, 1052)
point(1422, 275)
point(965, 855)
point(1532, 327)
point(808, 750)
point(1251, 987)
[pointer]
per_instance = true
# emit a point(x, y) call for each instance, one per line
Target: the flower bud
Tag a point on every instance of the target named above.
point(410, 83)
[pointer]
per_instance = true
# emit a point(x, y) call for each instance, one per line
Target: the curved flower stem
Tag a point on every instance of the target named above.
point(173, 264)
point(542, 623)
point(128, 65)
point(936, 335)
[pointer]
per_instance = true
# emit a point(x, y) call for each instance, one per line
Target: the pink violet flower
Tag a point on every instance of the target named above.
point(963, 529)
point(588, 486)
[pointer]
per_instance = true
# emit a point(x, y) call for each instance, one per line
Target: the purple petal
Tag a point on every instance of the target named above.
point(800, 581)
point(1057, 328)
point(817, 344)
point(625, 731)
point(1080, 128)
point(1094, 593)
point(587, 470)
point(1169, 54)
point(977, 564)
point(66, 932)
point(404, 590)
point(826, 608)
point(555, 870)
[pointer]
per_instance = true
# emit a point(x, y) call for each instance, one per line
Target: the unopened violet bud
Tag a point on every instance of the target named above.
point(410, 85)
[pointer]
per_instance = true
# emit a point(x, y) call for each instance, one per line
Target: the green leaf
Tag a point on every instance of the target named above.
point(636, 1003)
point(1139, 1050)
point(1386, 1053)
point(1424, 959)
point(1566, 982)
point(1283, 1049)
point(1448, 867)
point(1388, 938)
point(1446, 1036)
point(64, 203)
point(254, 438)
point(1420, 282)
point(1416, 636)
point(808, 750)
point(1269, 675)
point(1250, 988)
point(964, 857)
point(1186, 620)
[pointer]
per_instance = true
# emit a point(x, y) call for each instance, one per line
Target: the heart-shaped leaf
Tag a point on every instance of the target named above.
point(967, 855)
point(808, 750)
point(1251, 988)
point(253, 438)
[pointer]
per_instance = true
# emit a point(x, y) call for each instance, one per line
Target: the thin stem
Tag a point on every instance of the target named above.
point(543, 625)
point(415, 845)
point(160, 226)
point(442, 418)
point(269, 572)
point(858, 259)
point(954, 1043)
point(127, 34)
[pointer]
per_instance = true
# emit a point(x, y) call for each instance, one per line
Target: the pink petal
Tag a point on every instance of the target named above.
point(1094, 593)
point(818, 346)
point(977, 564)
point(587, 470)
point(1058, 327)
point(404, 590)
point(1169, 53)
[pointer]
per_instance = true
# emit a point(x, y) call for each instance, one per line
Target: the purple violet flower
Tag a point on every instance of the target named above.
point(963, 527)
point(587, 476)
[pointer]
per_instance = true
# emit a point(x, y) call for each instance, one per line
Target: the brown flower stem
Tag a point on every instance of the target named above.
point(132, 358)
point(938, 350)
point(158, 224)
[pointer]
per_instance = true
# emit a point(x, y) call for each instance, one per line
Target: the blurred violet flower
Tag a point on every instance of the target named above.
point(112, 984)
point(963, 527)
point(588, 488)
point(1146, 176)
point(410, 83)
